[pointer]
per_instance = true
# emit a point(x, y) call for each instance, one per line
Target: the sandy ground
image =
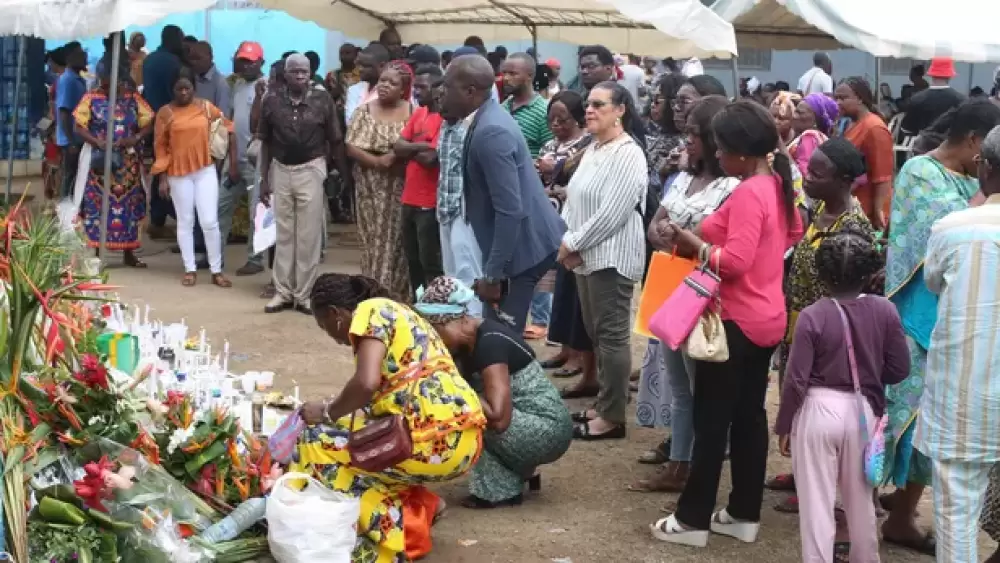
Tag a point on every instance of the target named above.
point(583, 513)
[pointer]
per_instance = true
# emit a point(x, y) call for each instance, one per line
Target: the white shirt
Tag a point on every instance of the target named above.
point(815, 81)
point(633, 77)
point(689, 211)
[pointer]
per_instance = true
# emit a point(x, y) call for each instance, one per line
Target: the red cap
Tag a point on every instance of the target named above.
point(553, 63)
point(942, 67)
point(250, 51)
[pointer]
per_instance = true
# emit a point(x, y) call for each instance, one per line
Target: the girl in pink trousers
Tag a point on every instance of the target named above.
point(819, 417)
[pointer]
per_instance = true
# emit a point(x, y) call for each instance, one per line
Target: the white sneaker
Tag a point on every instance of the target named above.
point(725, 525)
point(670, 531)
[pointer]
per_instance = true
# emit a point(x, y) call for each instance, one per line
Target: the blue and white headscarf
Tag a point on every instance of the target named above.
point(445, 299)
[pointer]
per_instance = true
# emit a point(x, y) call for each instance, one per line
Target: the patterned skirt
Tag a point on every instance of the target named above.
point(380, 230)
point(322, 452)
point(126, 205)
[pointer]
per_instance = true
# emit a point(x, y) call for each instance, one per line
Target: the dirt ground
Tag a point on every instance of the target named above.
point(583, 513)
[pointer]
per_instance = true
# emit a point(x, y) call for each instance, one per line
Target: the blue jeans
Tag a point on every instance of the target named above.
point(541, 309)
point(680, 372)
point(461, 256)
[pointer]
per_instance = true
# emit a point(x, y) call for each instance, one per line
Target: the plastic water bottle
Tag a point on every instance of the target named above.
point(245, 515)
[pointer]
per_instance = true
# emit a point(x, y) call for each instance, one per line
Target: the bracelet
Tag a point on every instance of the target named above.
point(326, 412)
point(704, 252)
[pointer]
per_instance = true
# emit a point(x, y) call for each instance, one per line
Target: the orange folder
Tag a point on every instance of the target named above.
point(666, 273)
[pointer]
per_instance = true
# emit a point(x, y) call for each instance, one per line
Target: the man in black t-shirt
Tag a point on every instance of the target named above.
point(928, 105)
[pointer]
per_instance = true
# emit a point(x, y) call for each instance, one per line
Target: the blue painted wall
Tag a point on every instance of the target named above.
point(278, 32)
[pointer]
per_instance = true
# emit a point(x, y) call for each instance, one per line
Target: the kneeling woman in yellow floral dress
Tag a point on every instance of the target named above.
point(444, 414)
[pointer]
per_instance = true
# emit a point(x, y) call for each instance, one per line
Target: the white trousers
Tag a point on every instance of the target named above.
point(198, 191)
point(461, 256)
point(959, 489)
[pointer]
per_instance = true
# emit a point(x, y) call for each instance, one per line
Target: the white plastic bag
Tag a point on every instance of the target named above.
point(312, 525)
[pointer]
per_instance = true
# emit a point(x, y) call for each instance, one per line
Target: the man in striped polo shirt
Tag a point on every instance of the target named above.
point(530, 111)
point(528, 108)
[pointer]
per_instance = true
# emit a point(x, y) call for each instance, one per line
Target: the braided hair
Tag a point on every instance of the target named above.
point(863, 91)
point(847, 160)
point(846, 260)
point(405, 74)
point(343, 291)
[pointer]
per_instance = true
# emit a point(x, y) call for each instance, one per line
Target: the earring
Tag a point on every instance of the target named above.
point(743, 159)
point(618, 122)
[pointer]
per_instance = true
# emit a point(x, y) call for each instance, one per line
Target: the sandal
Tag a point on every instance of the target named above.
point(567, 372)
point(476, 503)
point(221, 280)
point(783, 482)
point(552, 363)
point(581, 416)
point(656, 456)
point(132, 261)
point(926, 545)
point(670, 530)
point(582, 432)
point(579, 392)
point(268, 292)
point(189, 279)
point(788, 506)
point(669, 478)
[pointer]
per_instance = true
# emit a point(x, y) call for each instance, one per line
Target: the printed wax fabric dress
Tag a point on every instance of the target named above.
point(444, 415)
point(127, 198)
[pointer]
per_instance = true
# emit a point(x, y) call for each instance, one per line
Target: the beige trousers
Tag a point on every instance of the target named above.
point(299, 214)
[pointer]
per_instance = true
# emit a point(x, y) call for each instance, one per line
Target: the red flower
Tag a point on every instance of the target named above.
point(91, 489)
point(93, 374)
point(174, 398)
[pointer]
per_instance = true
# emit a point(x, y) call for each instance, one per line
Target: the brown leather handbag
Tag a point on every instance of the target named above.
point(386, 441)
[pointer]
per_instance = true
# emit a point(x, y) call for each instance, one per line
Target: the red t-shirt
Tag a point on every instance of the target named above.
point(420, 189)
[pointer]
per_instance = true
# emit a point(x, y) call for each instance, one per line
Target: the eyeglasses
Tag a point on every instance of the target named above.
point(596, 104)
point(558, 121)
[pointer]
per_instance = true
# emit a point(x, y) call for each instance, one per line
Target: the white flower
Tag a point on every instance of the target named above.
point(178, 438)
point(94, 420)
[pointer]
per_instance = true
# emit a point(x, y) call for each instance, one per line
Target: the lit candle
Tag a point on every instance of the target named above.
point(145, 320)
point(201, 341)
point(225, 358)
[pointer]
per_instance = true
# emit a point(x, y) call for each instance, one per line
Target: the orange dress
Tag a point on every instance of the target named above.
point(181, 137)
point(871, 136)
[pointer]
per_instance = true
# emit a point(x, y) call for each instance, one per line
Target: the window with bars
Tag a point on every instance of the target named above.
point(900, 66)
point(749, 59)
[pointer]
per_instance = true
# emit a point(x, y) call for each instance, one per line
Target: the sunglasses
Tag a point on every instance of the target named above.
point(596, 104)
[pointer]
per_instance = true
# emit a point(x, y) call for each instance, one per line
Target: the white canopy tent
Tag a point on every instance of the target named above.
point(962, 29)
point(75, 19)
point(684, 27)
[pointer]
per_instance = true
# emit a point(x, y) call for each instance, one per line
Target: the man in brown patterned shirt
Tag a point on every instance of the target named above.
point(300, 139)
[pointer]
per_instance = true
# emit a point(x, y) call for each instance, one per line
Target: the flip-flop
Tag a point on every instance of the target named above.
point(579, 392)
point(582, 432)
point(788, 506)
point(783, 482)
point(656, 456)
point(567, 372)
point(552, 363)
point(927, 545)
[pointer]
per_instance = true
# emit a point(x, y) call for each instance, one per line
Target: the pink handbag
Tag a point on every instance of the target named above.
point(673, 322)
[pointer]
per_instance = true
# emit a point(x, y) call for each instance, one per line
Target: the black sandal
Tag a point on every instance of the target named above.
point(552, 363)
point(582, 432)
point(580, 416)
point(579, 392)
point(926, 545)
point(476, 503)
point(564, 372)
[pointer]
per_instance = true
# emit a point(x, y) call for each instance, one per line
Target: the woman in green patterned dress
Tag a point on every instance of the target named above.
point(527, 422)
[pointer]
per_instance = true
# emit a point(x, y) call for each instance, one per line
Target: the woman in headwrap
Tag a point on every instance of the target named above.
point(527, 423)
point(378, 178)
point(814, 116)
point(783, 110)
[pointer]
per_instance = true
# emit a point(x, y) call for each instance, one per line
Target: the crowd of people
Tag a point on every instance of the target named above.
point(496, 205)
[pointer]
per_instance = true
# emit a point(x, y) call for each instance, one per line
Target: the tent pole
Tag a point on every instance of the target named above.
point(736, 77)
point(878, 80)
point(116, 51)
point(534, 43)
point(21, 48)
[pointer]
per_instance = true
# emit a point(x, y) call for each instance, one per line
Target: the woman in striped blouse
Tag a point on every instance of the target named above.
point(605, 247)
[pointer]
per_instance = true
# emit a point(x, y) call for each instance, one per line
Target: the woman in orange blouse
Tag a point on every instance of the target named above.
point(181, 143)
point(870, 135)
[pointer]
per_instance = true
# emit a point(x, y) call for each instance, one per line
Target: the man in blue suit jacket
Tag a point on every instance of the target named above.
point(517, 228)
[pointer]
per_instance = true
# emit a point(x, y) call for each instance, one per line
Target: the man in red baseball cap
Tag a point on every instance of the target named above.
point(927, 105)
point(247, 63)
